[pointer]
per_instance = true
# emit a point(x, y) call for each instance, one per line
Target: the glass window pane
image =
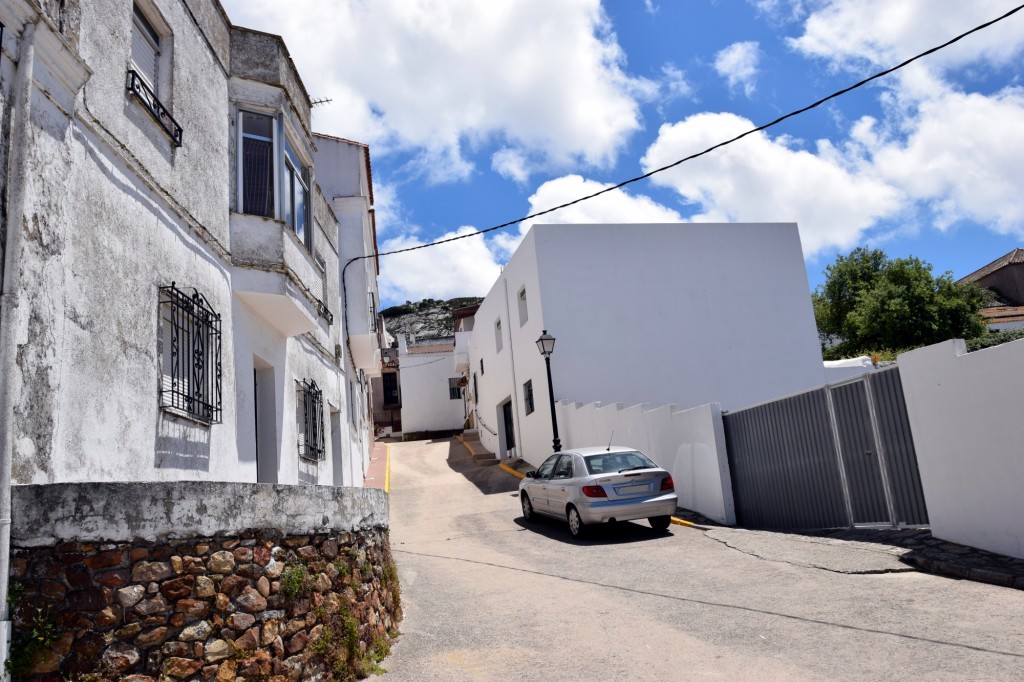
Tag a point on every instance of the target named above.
point(257, 176)
point(300, 212)
point(258, 125)
point(289, 179)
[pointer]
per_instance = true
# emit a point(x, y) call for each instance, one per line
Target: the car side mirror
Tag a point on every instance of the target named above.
point(531, 474)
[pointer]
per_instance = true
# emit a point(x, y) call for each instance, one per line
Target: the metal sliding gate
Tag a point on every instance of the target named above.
point(839, 455)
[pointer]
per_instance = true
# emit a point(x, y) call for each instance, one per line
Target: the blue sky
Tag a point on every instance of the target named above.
point(477, 113)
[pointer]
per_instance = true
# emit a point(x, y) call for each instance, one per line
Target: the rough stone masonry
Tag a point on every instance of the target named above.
point(262, 603)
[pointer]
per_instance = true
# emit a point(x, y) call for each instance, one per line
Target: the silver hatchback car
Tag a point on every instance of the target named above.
point(587, 486)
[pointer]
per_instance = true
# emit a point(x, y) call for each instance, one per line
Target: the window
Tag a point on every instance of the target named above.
point(149, 69)
point(454, 390)
point(476, 389)
point(497, 335)
point(257, 164)
point(189, 348)
point(524, 314)
point(564, 467)
point(528, 396)
point(481, 366)
point(296, 197)
point(311, 421)
point(145, 49)
point(372, 319)
point(259, 190)
point(390, 384)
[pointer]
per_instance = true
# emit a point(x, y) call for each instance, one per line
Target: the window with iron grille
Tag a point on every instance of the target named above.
point(454, 390)
point(190, 355)
point(528, 396)
point(311, 424)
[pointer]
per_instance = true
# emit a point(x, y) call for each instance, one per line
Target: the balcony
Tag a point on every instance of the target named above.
point(274, 274)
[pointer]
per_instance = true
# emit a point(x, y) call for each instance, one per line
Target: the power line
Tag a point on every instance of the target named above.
point(739, 137)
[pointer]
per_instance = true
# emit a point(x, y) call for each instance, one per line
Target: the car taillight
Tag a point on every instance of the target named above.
point(594, 491)
point(667, 483)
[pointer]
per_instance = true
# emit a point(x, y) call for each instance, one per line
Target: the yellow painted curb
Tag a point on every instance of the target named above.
point(684, 522)
point(387, 470)
point(466, 445)
point(511, 470)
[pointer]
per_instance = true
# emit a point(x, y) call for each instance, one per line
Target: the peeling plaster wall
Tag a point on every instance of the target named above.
point(114, 212)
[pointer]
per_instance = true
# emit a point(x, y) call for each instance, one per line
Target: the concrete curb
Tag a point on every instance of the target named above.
point(472, 452)
point(505, 467)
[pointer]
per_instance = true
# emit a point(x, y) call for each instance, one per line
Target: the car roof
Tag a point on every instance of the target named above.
point(600, 450)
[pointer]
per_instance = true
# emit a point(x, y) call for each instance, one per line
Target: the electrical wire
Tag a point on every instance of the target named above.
point(739, 137)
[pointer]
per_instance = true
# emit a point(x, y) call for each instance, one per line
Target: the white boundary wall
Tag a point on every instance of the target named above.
point(968, 426)
point(690, 444)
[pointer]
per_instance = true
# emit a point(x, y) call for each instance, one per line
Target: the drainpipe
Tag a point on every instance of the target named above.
point(17, 201)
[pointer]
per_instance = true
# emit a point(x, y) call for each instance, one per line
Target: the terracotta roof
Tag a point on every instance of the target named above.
point(1003, 313)
point(1011, 258)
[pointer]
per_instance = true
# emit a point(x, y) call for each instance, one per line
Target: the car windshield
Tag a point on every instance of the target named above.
point(617, 462)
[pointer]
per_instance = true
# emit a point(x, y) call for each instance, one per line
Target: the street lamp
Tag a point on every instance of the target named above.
point(546, 346)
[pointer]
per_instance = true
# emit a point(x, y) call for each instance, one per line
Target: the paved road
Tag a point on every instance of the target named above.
point(490, 597)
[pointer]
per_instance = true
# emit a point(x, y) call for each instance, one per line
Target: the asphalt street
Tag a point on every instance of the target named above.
point(488, 596)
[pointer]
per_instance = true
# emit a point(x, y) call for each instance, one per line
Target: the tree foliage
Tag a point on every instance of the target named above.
point(869, 303)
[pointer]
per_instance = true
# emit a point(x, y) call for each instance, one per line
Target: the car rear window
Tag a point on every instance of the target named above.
point(614, 462)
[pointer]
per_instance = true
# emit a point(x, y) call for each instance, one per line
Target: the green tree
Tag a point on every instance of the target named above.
point(871, 303)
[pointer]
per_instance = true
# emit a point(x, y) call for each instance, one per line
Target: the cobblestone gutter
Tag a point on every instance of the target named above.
point(266, 603)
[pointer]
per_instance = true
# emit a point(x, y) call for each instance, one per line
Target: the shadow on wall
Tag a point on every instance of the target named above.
point(181, 444)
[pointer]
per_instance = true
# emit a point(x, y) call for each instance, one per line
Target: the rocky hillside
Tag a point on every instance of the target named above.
point(426, 318)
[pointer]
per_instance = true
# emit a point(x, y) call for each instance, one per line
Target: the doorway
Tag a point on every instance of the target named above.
point(265, 420)
point(507, 438)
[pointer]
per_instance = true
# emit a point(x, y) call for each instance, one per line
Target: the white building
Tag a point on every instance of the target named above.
point(433, 398)
point(685, 314)
point(172, 300)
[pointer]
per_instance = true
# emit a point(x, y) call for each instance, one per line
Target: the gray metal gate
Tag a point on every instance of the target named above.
point(839, 455)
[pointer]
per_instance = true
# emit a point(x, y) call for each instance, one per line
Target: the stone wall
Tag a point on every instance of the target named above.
point(281, 602)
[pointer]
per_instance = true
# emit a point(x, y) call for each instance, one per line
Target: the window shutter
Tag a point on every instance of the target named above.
point(145, 49)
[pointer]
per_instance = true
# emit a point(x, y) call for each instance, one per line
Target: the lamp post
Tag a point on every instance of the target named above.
point(546, 345)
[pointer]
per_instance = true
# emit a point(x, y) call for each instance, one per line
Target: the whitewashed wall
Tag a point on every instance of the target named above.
point(426, 405)
point(690, 444)
point(684, 314)
point(966, 416)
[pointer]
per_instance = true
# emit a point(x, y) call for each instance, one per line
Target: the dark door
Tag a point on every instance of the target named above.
point(510, 432)
point(860, 454)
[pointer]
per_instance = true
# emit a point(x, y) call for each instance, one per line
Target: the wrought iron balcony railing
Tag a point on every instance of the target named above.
point(138, 87)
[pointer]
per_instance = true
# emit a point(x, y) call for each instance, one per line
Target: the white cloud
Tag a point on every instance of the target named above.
point(855, 33)
point(738, 65)
point(461, 268)
point(511, 163)
point(962, 159)
point(616, 206)
point(834, 196)
point(674, 83)
point(650, 7)
point(445, 77)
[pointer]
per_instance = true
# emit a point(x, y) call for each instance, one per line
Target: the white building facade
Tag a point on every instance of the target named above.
point(174, 247)
point(682, 314)
point(433, 396)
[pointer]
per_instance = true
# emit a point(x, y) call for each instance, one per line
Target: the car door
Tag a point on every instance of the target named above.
point(537, 489)
point(561, 485)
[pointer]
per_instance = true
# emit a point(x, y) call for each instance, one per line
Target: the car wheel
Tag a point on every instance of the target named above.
point(576, 526)
point(528, 513)
point(660, 522)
